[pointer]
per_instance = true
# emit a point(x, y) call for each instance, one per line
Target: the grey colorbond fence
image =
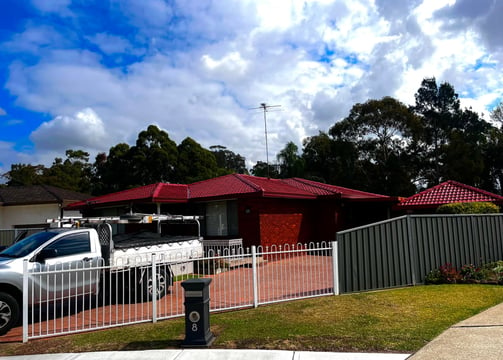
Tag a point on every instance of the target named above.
point(403, 250)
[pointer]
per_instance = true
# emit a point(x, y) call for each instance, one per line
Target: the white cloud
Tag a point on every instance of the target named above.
point(111, 44)
point(37, 39)
point(52, 6)
point(200, 72)
point(2, 112)
point(83, 130)
point(231, 65)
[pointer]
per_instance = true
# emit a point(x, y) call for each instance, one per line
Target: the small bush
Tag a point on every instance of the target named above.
point(491, 272)
point(434, 277)
point(468, 208)
point(449, 274)
point(470, 272)
point(445, 274)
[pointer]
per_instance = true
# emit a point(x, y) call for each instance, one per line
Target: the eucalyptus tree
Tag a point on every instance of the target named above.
point(24, 175)
point(73, 173)
point(330, 160)
point(439, 110)
point(228, 160)
point(383, 133)
point(154, 157)
point(497, 114)
point(262, 169)
point(195, 163)
point(114, 172)
point(290, 162)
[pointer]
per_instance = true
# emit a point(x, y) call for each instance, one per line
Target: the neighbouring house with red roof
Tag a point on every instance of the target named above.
point(447, 192)
point(261, 211)
point(31, 206)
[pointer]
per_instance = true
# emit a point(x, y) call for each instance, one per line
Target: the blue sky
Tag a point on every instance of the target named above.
point(89, 74)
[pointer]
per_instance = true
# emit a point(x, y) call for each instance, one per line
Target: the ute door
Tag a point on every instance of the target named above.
point(65, 268)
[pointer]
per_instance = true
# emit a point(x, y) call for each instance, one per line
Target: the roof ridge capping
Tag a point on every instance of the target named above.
point(315, 184)
point(335, 188)
point(244, 178)
point(472, 188)
point(437, 190)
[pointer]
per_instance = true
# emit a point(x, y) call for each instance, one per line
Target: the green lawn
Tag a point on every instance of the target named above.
point(398, 320)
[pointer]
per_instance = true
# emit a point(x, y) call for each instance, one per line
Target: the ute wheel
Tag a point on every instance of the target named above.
point(9, 312)
point(162, 284)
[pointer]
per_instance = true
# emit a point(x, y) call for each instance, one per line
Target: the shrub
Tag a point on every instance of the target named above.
point(449, 274)
point(434, 277)
point(468, 208)
point(491, 272)
point(445, 274)
point(470, 272)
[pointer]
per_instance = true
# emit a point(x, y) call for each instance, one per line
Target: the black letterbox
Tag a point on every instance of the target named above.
point(197, 313)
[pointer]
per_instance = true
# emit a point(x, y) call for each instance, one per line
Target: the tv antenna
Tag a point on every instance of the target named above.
point(265, 108)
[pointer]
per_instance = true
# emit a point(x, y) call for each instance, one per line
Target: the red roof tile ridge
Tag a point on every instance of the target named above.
point(421, 193)
point(122, 192)
point(412, 199)
point(332, 188)
point(472, 188)
point(315, 184)
point(157, 189)
point(244, 178)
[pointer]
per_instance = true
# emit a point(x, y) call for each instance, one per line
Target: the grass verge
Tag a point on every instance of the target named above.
point(399, 320)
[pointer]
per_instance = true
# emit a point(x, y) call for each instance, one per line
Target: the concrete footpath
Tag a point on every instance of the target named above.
point(211, 354)
point(479, 337)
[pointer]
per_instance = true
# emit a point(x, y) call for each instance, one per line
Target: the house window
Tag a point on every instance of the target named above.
point(221, 218)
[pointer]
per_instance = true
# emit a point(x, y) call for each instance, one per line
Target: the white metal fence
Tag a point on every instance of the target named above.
point(120, 294)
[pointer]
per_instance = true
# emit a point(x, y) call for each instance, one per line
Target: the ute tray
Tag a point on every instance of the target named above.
point(136, 240)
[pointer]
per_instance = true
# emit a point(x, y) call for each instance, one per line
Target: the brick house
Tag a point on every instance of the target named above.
point(261, 211)
point(451, 191)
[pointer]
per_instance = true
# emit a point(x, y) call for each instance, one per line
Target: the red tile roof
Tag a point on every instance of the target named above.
point(449, 192)
point(321, 189)
point(246, 185)
point(159, 192)
point(229, 186)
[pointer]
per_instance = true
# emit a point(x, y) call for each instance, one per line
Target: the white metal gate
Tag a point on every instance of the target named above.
point(128, 294)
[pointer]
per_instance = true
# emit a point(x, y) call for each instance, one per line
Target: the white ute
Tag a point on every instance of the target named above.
point(90, 247)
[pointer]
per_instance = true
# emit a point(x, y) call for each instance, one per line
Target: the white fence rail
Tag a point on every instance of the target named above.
point(116, 295)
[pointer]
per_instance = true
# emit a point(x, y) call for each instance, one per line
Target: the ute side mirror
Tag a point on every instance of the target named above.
point(46, 254)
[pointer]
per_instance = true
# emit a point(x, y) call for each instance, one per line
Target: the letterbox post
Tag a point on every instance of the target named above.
point(197, 313)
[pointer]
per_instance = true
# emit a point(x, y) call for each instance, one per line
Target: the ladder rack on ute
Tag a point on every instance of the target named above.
point(125, 219)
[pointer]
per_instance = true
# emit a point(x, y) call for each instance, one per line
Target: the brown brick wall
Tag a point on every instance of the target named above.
point(269, 222)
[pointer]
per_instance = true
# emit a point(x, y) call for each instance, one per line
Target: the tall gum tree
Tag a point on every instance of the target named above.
point(382, 132)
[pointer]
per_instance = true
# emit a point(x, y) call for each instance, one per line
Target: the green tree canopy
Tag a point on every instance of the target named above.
point(381, 131)
point(330, 160)
point(154, 157)
point(497, 114)
point(114, 172)
point(73, 173)
point(290, 162)
point(195, 163)
point(24, 175)
point(262, 169)
point(228, 160)
point(438, 107)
